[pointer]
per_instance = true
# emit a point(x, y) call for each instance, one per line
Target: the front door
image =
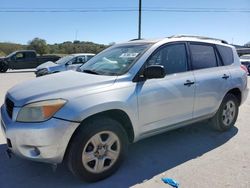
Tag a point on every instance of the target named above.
point(22, 60)
point(167, 101)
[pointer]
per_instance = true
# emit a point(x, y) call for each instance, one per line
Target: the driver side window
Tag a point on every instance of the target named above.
point(173, 57)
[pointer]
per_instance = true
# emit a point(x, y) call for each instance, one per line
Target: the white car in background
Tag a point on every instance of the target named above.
point(69, 62)
point(245, 60)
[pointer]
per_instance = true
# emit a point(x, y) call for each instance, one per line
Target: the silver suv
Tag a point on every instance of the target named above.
point(128, 92)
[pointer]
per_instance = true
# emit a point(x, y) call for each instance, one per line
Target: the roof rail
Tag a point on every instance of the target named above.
point(199, 37)
point(135, 39)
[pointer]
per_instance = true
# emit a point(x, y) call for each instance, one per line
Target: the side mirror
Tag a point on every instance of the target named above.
point(154, 71)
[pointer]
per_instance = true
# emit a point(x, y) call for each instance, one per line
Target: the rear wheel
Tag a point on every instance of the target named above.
point(3, 67)
point(97, 149)
point(227, 114)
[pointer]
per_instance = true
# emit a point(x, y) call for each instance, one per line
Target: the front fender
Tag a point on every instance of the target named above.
point(80, 108)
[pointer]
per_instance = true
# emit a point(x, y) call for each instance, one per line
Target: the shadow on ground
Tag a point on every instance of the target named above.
point(146, 159)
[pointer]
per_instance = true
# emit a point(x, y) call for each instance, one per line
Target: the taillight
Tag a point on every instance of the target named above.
point(243, 67)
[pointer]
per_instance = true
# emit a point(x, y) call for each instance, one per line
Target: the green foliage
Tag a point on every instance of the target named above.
point(7, 48)
point(76, 47)
point(2, 54)
point(39, 45)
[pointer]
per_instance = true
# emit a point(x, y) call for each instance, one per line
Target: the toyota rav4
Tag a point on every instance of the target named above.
point(128, 92)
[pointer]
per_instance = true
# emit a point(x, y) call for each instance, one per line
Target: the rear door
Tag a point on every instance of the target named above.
point(30, 60)
point(212, 79)
point(166, 101)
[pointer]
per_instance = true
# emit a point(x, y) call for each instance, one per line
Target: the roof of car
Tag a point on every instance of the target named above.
point(24, 51)
point(81, 54)
point(175, 38)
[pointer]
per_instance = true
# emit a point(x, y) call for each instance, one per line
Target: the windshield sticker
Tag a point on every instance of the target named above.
point(129, 55)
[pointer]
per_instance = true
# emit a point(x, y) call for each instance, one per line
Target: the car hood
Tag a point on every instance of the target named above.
point(66, 85)
point(48, 64)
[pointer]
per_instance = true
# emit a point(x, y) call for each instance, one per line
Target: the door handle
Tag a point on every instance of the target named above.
point(188, 83)
point(225, 76)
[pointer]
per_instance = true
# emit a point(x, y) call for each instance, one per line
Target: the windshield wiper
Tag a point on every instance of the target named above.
point(90, 71)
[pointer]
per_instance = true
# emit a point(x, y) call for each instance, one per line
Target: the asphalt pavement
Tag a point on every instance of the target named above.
point(196, 156)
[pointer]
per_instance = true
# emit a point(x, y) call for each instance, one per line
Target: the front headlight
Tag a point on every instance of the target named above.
point(40, 111)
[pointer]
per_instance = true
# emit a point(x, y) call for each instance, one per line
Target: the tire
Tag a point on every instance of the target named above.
point(227, 114)
point(86, 144)
point(3, 67)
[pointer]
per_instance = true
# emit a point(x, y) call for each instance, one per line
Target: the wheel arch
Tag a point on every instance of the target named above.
point(237, 93)
point(116, 114)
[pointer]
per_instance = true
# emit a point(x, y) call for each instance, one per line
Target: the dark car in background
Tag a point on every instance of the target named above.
point(24, 59)
point(69, 62)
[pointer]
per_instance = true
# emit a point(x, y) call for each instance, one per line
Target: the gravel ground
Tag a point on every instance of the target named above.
point(195, 156)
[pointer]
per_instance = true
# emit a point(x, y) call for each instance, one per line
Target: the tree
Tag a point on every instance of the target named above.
point(7, 48)
point(39, 45)
point(2, 53)
point(247, 45)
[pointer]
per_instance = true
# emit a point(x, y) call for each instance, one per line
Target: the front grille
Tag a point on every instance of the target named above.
point(9, 107)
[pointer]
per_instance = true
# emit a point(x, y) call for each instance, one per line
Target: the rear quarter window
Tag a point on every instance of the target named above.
point(203, 56)
point(226, 54)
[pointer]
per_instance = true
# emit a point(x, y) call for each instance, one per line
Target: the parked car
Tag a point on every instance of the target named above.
point(127, 92)
point(24, 59)
point(70, 62)
point(245, 60)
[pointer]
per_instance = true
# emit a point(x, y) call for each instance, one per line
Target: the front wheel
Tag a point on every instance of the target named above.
point(227, 114)
point(97, 149)
point(3, 67)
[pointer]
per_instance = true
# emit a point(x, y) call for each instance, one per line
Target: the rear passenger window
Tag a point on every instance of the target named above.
point(203, 56)
point(20, 55)
point(173, 57)
point(226, 54)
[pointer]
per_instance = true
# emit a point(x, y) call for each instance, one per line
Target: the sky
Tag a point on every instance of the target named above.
point(119, 26)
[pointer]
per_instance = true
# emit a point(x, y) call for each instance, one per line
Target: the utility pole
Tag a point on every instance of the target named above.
point(139, 25)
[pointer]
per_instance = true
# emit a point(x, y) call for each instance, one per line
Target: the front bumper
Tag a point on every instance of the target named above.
point(45, 142)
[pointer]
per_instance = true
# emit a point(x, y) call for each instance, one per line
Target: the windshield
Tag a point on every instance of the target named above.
point(247, 57)
point(114, 61)
point(64, 60)
point(11, 54)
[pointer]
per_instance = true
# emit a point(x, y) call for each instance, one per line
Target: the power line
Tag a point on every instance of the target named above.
point(145, 9)
point(123, 8)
